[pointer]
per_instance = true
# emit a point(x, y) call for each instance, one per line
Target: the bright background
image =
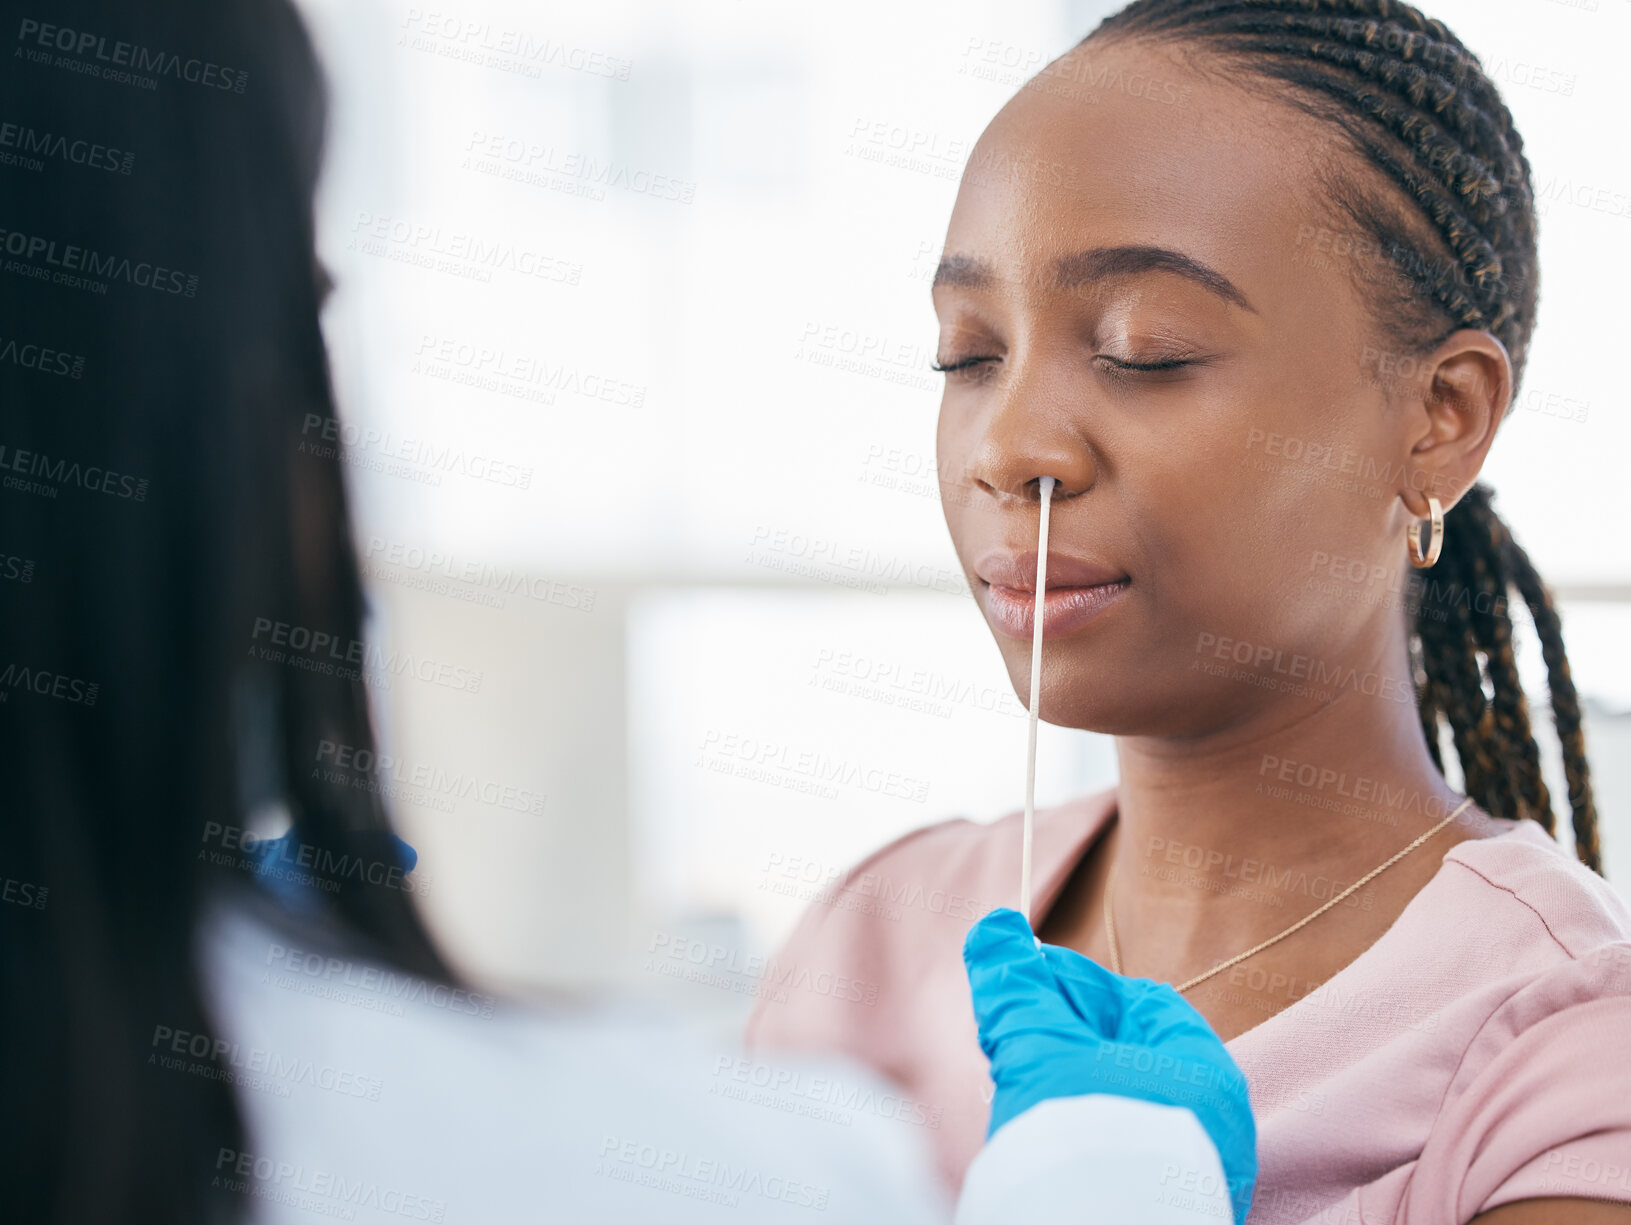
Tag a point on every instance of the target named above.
point(696, 388)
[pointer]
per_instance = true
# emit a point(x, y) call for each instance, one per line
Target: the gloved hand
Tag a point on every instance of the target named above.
point(279, 868)
point(1055, 1024)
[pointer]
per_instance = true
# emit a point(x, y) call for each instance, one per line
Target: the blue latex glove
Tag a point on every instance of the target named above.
point(279, 866)
point(1055, 1024)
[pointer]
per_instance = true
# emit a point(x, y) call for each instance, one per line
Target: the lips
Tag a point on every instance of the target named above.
point(1018, 571)
point(1078, 591)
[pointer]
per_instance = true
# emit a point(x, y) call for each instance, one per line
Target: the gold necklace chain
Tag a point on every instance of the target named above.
point(1110, 922)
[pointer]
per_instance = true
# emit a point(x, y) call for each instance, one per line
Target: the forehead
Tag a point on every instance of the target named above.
point(1129, 144)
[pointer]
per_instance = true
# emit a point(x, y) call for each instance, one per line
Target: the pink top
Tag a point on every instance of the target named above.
point(1478, 1053)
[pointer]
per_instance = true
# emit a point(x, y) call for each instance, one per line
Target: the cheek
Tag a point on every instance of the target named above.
point(951, 460)
point(1252, 505)
point(1227, 514)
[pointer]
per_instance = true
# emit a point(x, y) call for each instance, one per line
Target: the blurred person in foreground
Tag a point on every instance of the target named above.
point(220, 1001)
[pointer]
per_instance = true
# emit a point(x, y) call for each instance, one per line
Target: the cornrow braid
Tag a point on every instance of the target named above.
point(1458, 228)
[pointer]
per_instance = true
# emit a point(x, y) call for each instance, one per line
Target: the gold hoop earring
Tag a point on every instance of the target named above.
point(1435, 536)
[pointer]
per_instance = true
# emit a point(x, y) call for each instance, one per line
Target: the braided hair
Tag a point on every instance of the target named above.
point(1457, 234)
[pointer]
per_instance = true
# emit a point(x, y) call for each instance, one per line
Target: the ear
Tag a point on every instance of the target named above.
point(1461, 404)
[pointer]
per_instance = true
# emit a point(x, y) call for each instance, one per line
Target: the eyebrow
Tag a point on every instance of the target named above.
point(1100, 264)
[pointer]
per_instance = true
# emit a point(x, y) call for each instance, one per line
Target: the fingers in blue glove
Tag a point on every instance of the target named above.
point(1008, 978)
point(1003, 935)
point(1099, 996)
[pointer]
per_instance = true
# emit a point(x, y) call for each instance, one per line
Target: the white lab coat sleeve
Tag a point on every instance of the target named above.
point(1097, 1158)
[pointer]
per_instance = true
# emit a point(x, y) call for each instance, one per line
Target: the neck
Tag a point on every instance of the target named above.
point(1218, 836)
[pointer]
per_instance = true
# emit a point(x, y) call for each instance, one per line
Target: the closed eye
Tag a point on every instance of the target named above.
point(966, 363)
point(1166, 363)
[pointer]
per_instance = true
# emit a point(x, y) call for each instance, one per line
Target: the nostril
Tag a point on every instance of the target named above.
point(1034, 490)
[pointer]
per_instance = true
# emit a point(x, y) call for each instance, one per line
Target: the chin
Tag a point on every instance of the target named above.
point(1092, 689)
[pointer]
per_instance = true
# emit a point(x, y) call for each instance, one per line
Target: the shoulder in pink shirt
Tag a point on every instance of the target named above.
point(1478, 1053)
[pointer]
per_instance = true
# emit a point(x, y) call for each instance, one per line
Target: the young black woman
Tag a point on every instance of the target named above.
point(1256, 282)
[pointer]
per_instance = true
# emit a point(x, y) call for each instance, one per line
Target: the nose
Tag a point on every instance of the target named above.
point(1034, 429)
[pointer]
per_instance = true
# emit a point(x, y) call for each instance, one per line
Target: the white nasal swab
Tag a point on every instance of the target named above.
point(1036, 699)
